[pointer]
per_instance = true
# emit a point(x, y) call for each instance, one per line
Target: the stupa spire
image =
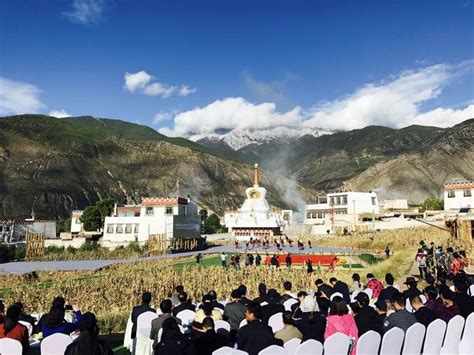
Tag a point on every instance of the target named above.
point(255, 174)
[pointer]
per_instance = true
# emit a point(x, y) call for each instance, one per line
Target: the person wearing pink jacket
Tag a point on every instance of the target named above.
point(340, 321)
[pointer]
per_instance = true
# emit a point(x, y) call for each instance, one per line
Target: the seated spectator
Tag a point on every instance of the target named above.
point(375, 285)
point(207, 311)
point(234, 313)
point(412, 290)
point(262, 293)
point(256, 335)
point(388, 292)
point(56, 323)
point(183, 304)
point(325, 289)
point(312, 325)
point(295, 308)
point(431, 294)
point(243, 293)
point(323, 304)
point(381, 308)
point(23, 316)
point(289, 331)
point(356, 285)
point(174, 296)
point(87, 342)
point(210, 341)
point(448, 309)
point(401, 318)
point(423, 315)
point(340, 321)
point(213, 295)
point(342, 288)
point(464, 301)
point(273, 307)
point(12, 329)
point(367, 318)
point(157, 323)
point(137, 310)
point(287, 294)
point(58, 302)
point(173, 342)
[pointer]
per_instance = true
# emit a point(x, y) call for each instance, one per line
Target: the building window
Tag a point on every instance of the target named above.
point(373, 201)
point(136, 229)
point(344, 200)
point(128, 228)
point(110, 228)
point(467, 193)
point(169, 210)
point(119, 228)
point(331, 201)
point(320, 215)
point(450, 194)
point(149, 211)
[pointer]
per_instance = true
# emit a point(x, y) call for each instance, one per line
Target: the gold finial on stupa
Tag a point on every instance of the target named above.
point(255, 174)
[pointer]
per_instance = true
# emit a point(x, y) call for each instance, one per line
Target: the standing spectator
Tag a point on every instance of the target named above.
point(56, 323)
point(423, 315)
point(289, 331)
point(262, 293)
point(224, 260)
point(309, 266)
point(251, 259)
point(273, 307)
point(144, 307)
point(309, 244)
point(388, 292)
point(356, 284)
point(234, 312)
point(412, 290)
point(210, 341)
point(87, 342)
point(422, 263)
point(387, 252)
point(340, 321)
point(256, 335)
point(157, 323)
point(258, 260)
point(456, 264)
point(198, 259)
point(173, 342)
point(401, 318)
point(183, 304)
point(288, 294)
point(274, 262)
point(375, 285)
point(311, 324)
point(342, 288)
point(237, 262)
point(288, 261)
point(12, 329)
point(367, 318)
point(324, 288)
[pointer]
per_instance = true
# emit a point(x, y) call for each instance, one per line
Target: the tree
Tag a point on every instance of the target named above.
point(212, 224)
point(94, 216)
point(433, 204)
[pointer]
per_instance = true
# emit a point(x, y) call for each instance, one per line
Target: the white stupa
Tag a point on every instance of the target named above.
point(254, 218)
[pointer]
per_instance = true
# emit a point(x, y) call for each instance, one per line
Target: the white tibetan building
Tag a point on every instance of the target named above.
point(254, 218)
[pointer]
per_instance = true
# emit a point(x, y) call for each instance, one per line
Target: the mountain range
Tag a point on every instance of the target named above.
point(50, 166)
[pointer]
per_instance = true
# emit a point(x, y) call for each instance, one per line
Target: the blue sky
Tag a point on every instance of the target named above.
point(204, 65)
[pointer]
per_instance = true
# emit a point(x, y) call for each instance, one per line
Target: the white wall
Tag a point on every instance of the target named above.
point(76, 225)
point(459, 200)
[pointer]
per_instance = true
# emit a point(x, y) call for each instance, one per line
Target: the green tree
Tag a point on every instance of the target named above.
point(94, 216)
point(212, 224)
point(64, 225)
point(433, 204)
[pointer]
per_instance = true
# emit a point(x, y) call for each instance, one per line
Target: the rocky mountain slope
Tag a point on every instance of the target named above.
point(50, 166)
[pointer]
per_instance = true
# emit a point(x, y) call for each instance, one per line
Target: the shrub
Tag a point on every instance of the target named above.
point(7, 253)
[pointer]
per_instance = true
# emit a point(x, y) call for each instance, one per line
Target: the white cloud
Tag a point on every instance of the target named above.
point(17, 97)
point(59, 113)
point(162, 116)
point(267, 91)
point(395, 102)
point(85, 11)
point(142, 82)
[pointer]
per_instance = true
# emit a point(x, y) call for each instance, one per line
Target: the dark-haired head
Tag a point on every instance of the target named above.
point(207, 308)
point(318, 282)
point(11, 319)
point(253, 311)
point(170, 328)
point(166, 306)
point(179, 289)
point(323, 304)
point(243, 290)
point(213, 295)
point(55, 317)
point(431, 293)
point(370, 275)
point(58, 302)
point(287, 286)
point(208, 323)
point(146, 297)
point(262, 289)
point(356, 277)
point(338, 306)
point(182, 297)
point(389, 279)
point(235, 294)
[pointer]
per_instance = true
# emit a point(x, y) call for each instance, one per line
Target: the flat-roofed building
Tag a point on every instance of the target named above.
point(459, 195)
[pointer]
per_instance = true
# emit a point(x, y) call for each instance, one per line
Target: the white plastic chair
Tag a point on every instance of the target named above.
point(243, 323)
point(221, 324)
point(471, 290)
point(310, 347)
point(369, 343)
point(423, 298)
point(219, 309)
point(288, 303)
point(453, 335)
point(336, 344)
point(238, 352)
point(276, 322)
point(465, 347)
point(127, 338)
point(469, 328)
point(434, 337)
point(264, 303)
point(408, 306)
point(369, 292)
point(225, 350)
point(392, 342)
point(10, 347)
point(144, 345)
point(273, 350)
point(414, 339)
point(28, 326)
point(55, 344)
point(186, 316)
point(291, 346)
